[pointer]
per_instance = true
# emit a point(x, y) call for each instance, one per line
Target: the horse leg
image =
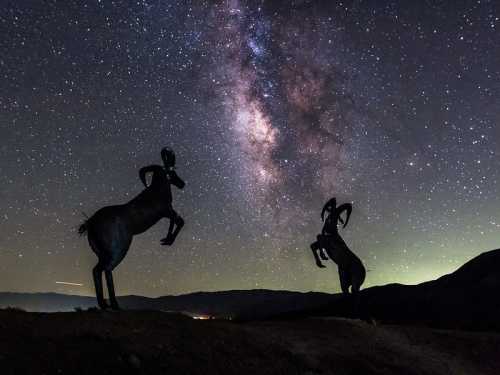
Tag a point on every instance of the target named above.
point(345, 280)
point(356, 296)
point(97, 274)
point(179, 223)
point(358, 274)
point(168, 240)
point(315, 248)
point(120, 243)
point(327, 247)
point(356, 284)
point(322, 254)
point(111, 290)
point(172, 234)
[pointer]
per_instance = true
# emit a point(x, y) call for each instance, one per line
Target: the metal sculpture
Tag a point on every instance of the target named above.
point(352, 273)
point(110, 229)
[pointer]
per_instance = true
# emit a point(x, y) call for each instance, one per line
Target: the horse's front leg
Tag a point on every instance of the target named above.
point(315, 247)
point(178, 222)
point(322, 254)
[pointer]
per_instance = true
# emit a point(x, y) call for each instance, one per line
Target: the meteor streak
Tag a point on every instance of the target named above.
point(68, 283)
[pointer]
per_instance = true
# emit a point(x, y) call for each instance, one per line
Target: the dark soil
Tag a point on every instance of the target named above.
point(151, 342)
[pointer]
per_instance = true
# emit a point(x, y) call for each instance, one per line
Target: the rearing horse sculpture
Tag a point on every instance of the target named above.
point(110, 229)
point(352, 273)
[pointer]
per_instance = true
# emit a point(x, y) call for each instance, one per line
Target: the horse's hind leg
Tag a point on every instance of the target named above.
point(111, 290)
point(97, 274)
point(118, 248)
point(358, 277)
point(345, 280)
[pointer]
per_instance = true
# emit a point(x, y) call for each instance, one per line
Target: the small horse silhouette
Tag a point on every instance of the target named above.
point(110, 229)
point(352, 273)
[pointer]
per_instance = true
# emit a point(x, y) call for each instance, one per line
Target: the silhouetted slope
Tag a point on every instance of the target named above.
point(152, 342)
point(466, 298)
point(481, 271)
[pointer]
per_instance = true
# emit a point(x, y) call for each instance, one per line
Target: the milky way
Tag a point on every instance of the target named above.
point(288, 104)
point(272, 108)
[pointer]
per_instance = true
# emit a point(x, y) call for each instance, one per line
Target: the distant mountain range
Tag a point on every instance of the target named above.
point(468, 297)
point(242, 303)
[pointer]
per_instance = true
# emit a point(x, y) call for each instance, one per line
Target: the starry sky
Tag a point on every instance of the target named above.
point(272, 108)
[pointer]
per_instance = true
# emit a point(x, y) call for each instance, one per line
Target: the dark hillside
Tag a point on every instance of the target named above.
point(468, 298)
point(148, 342)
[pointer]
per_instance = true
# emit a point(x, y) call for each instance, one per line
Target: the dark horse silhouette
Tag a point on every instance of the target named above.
point(351, 270)
point(110, 229)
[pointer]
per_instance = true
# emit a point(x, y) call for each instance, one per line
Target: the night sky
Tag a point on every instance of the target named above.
point(272, 108)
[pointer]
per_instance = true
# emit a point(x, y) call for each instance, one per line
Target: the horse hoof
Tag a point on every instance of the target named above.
point(104, 306)
point(167, 241)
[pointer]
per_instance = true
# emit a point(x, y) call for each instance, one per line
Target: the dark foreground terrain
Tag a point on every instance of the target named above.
point(150, 342)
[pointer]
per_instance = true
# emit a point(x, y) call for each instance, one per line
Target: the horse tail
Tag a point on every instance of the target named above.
point(84, 227)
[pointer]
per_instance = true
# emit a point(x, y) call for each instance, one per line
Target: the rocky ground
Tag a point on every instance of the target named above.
point(151, 342)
